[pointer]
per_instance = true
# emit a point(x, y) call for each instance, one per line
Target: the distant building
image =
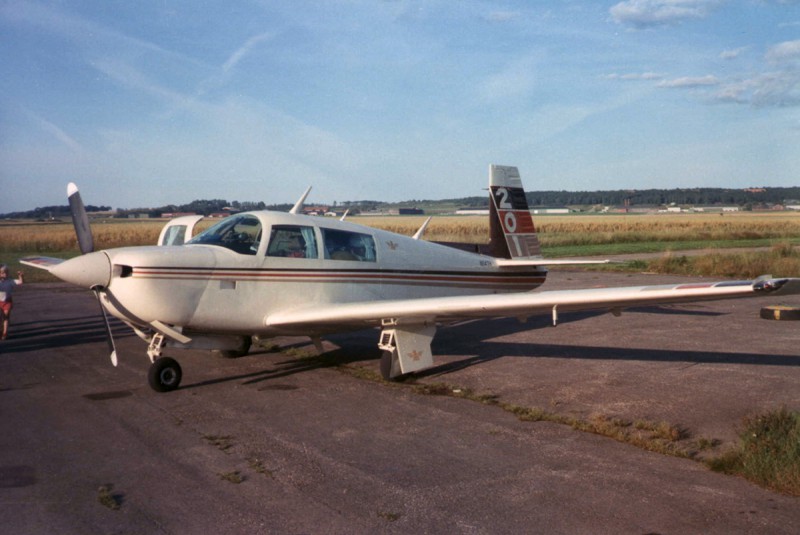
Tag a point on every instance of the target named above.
point(551, 211)
point(173, 215)
point(316, 210)
point(715, 209)
point(472, 212)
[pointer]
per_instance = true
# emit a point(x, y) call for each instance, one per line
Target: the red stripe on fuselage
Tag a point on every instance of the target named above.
point(490, 280)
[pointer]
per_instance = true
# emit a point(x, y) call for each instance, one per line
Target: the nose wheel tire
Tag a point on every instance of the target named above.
point(164, 375)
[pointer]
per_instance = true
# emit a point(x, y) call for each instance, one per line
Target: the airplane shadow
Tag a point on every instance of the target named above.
point(471, 337)
point(286, 368)
point(461, 340)
point(40, 335)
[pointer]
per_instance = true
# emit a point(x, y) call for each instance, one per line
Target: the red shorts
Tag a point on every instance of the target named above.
point(5, 306)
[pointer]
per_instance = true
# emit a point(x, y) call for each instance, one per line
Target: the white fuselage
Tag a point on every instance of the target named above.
point(212, 288)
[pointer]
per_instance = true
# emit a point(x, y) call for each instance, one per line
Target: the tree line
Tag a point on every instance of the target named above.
point(648, 197)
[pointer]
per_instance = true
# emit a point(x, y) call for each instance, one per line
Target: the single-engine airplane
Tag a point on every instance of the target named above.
point(263, 274)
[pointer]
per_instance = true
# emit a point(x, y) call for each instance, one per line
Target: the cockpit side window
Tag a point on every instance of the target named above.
point(344, 245)
point(292, 241)
point(239, 233)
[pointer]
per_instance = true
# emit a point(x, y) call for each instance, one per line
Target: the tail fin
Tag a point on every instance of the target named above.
point(511, 230)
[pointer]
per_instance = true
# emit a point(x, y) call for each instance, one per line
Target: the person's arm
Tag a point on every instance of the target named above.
point(20, 278)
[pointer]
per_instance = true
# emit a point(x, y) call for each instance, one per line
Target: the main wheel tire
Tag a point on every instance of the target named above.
point(164, 375)
point(236, 353)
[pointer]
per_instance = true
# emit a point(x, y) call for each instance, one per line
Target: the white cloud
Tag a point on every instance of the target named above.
point(776, 89)
point(518, 78)
point(243, 50)
point(502, 16)
point(634, 76)
point(784, 52)
point(55, 131)
point(690, 82)
point(648, 13)
point(780, 88)
point(733, 53)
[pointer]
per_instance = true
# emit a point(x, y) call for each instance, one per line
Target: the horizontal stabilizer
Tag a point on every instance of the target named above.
point(41, 262)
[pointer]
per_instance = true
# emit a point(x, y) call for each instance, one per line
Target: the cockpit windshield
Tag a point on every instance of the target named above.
point(239, 233)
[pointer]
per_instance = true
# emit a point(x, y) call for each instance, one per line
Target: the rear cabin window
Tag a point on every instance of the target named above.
point(344, 245)
point(292, 241)
point(174, 235)
point(240, 233)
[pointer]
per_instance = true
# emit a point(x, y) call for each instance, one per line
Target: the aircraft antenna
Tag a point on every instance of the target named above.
point(299, 204)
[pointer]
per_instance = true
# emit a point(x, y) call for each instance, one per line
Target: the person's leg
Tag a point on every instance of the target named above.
point(5, 316)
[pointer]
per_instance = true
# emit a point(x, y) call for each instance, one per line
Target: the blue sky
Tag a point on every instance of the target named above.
point(165, 101)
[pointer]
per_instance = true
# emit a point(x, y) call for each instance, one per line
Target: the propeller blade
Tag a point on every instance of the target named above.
point(80, 220)
point(109, 336)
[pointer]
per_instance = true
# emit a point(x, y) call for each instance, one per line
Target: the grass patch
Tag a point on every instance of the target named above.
point(781, 260)
point(221, 442)
point(258, 467)
point(234, 477)
point(107, 498)
point(768, 452)
point(389, 516)
point(655, 246)
point(298, 353)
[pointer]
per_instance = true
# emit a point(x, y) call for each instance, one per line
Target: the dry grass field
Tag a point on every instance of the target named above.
point(576, 230)
point(567, 235)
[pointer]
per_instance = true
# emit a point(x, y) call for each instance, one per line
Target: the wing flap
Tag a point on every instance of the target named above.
point(520, 304)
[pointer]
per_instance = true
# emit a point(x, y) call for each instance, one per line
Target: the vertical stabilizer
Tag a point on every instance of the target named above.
point(511, 230)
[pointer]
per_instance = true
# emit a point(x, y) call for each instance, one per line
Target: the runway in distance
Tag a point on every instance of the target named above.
point(255, 275)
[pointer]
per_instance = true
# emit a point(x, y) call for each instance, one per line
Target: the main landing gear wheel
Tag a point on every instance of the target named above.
point(164, 375)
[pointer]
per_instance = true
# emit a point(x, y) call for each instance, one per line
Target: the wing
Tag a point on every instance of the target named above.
point(42, 262)
point(446, 309)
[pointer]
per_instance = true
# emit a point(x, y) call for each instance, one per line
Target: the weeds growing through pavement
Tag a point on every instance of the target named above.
point(768, 452)
point(106, 498)
point(234, 477)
